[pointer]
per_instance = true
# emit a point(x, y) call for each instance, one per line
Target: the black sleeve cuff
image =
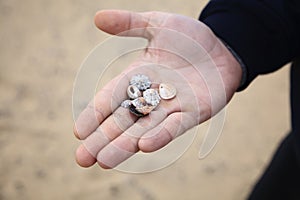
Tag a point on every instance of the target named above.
point(262, 33)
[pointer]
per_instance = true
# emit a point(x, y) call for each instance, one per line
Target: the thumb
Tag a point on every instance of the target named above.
point(125, 23)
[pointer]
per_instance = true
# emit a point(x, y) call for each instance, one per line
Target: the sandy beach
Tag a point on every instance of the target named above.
point(43, 44)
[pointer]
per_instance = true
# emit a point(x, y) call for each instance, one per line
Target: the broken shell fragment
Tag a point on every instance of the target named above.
point(145, 110)
point(133, 92)
point(167, 91)
point(152, 97)
point(133, 110)
point(141, 81)
point(139, 102)
point(139, 107)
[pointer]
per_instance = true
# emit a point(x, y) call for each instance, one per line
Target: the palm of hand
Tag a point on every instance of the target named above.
point(181, 51)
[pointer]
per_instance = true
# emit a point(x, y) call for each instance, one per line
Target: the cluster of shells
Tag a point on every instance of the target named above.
point(143, 99)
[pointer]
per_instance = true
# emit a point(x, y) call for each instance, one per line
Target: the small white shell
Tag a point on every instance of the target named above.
point(126, 103)
point(151, 97)
point(141, 81)
point(133, 92)
point(167, 91)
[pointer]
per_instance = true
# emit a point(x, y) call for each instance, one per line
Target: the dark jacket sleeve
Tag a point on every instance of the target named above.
point(264, 33)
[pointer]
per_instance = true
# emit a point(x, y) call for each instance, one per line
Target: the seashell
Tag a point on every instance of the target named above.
point(152, 97)
point(139, 107)
point(133, 110)
point(126, 103)
point(133, 92)
point(139, 102)
point(167, 91)
point(145, 110)
point(141, 81)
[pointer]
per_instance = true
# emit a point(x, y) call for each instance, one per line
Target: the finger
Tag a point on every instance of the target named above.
point(121, 122)
point(107, 100)
point(83, 157)
point(116, 152)
point(118, 21)
point(126, 144)
point(111, 128)
point(173, 126)
point(103, 104)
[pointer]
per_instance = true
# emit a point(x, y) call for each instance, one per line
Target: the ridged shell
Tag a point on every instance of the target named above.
point(142, 82)
point(167, 91)
point(151, 97)
point(133, 92)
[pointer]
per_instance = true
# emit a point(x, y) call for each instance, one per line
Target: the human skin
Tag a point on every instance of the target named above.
point(110, 133)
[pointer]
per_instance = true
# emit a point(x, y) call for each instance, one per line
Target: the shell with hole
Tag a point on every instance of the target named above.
point(133, 92)
point(167, 91)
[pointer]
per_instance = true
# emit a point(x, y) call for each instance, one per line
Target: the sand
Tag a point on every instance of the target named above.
point(43, 44)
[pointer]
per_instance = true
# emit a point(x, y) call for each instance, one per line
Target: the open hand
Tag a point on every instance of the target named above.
point(181, 51)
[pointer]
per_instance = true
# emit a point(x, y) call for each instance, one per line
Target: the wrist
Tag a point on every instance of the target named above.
point(241, 64)
point(229, 67)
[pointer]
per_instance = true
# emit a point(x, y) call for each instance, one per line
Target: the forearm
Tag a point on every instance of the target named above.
point(264, 34)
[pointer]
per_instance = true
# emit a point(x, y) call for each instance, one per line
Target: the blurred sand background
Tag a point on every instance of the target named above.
point(43, 44)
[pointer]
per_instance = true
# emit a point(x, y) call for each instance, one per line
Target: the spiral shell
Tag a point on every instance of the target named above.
point(167, 91)
point(142, 82)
